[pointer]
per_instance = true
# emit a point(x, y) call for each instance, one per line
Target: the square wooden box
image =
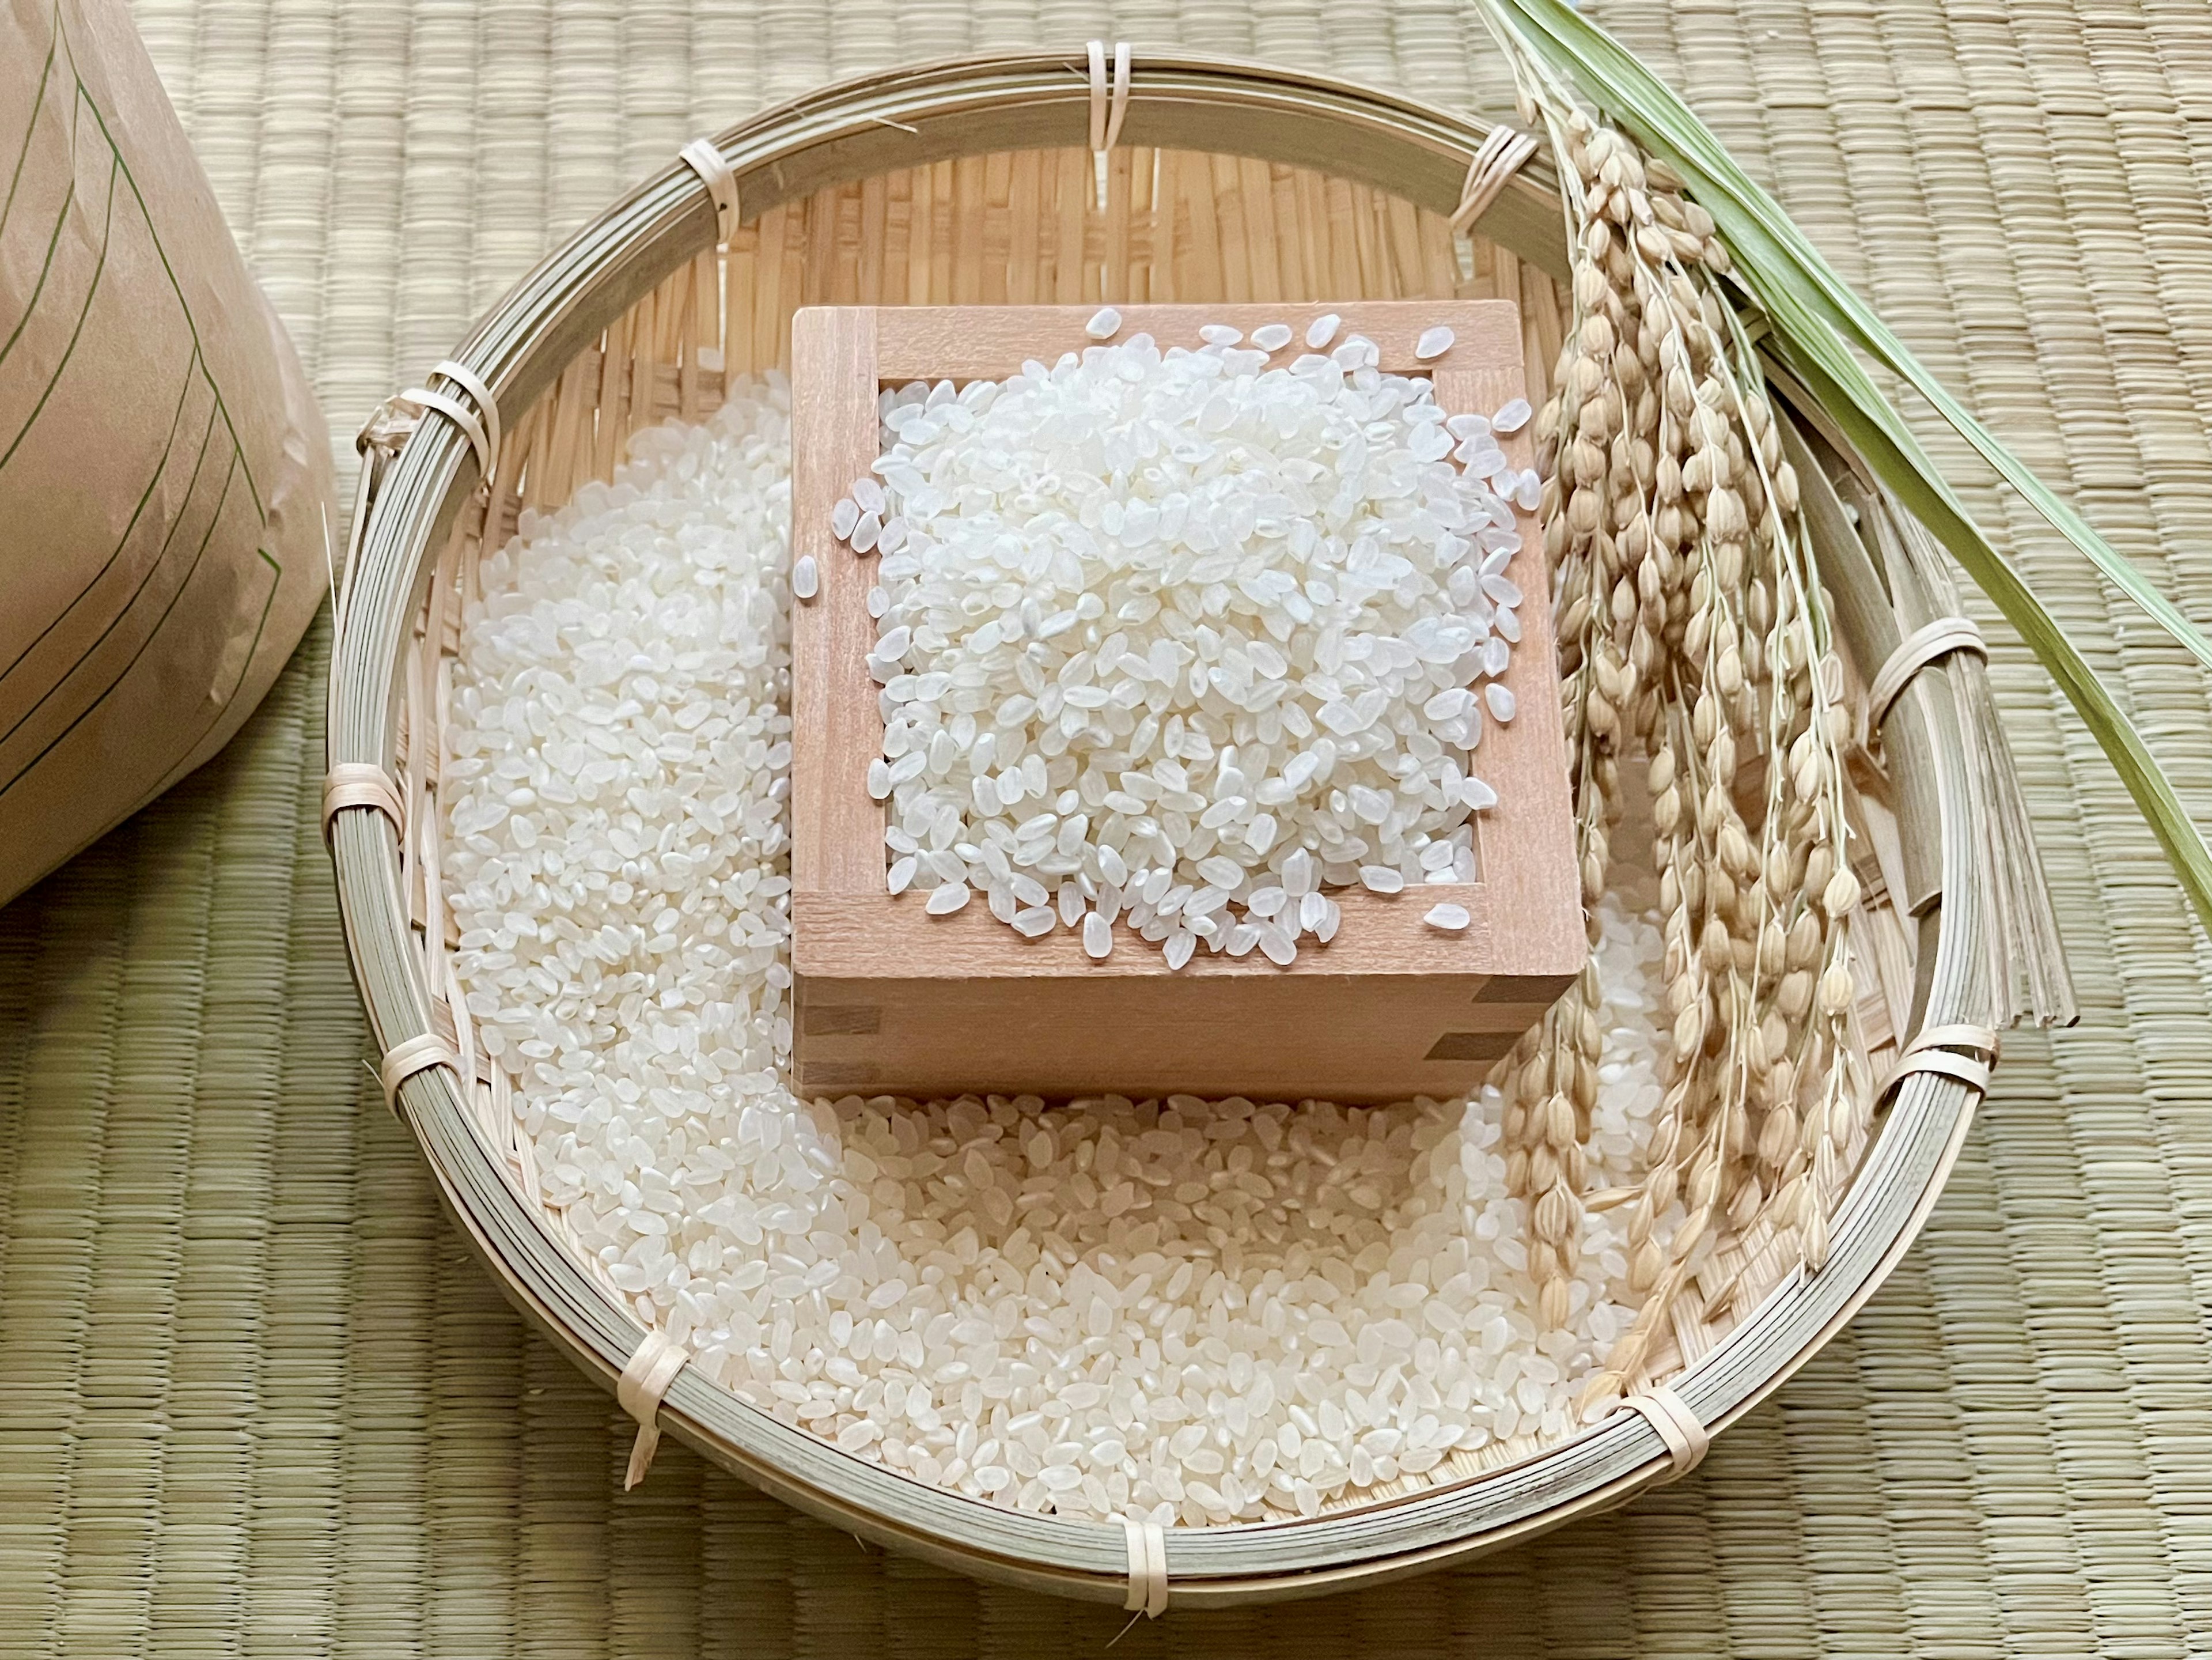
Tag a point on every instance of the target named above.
point(890, 1000)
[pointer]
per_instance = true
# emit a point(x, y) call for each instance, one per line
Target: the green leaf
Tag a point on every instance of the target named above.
point(1933, 506)
point(1816, 320)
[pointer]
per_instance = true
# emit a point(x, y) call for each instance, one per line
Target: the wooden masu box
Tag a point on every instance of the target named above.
point(890, 1000)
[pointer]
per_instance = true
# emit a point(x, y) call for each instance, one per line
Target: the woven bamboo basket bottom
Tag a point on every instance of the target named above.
point(1017, 226)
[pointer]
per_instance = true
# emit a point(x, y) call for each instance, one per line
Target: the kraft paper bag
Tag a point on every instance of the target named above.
point(165, 477)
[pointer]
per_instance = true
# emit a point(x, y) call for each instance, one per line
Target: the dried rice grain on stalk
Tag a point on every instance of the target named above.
point(1694, 640)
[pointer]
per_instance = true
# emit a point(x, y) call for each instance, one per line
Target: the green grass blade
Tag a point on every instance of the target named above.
point(1815, 320)
point(2153, 792)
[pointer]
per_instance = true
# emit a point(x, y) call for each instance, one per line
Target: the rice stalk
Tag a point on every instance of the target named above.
point(1695, 635)
point(1817, 330)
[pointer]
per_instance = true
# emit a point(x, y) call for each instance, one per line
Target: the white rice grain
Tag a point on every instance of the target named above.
point(1180, 612)
point(1197, 1312)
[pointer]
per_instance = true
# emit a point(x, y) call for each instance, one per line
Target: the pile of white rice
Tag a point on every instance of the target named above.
point(1186, 638)
point(1200, 1313)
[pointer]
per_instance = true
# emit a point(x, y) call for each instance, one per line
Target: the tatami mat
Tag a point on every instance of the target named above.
point(254, 1400)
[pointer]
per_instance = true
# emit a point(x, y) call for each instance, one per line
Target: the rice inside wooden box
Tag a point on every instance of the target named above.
point(893, 999)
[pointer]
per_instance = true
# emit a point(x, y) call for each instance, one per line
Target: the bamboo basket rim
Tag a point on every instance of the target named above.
point(408, 508)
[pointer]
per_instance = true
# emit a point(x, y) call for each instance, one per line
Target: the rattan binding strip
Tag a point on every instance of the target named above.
point(1503, 154)
point(704, 158)
point(1933, 1050)
point(419, 1054)
point(1108, 107)
point(480, 426)
point(1686, 1435)
point(653, 1367)
point(1915, 653)
point(362, 784)
point(1148, 1567)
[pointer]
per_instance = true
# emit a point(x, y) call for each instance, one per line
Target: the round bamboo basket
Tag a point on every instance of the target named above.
point(974, 182)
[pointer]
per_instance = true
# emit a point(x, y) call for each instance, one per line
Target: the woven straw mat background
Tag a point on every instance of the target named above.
point(253, 1398)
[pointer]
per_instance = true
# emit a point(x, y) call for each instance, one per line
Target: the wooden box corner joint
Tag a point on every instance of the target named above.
point(890, 1000)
